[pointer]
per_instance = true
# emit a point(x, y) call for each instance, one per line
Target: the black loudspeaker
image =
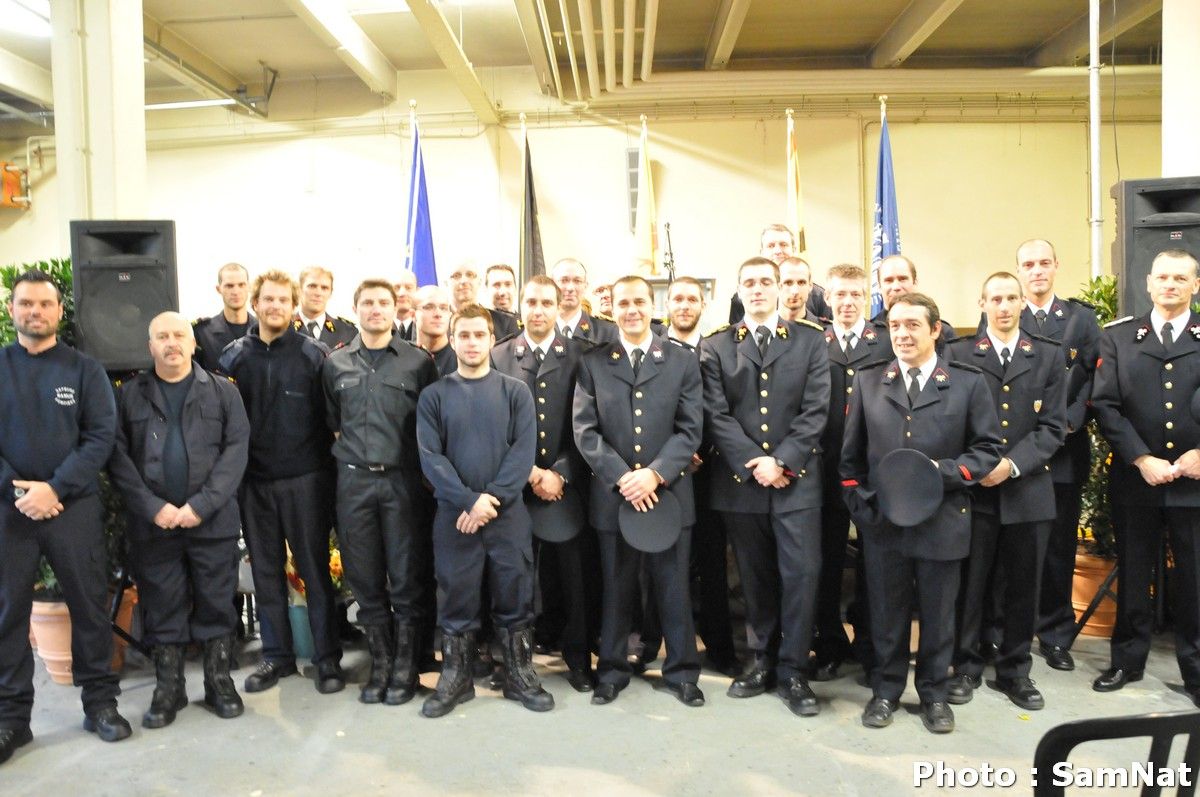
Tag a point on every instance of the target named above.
point(1152, 215)
point(124, 275)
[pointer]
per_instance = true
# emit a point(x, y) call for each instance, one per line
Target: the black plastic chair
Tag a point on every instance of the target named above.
point(1162, 729)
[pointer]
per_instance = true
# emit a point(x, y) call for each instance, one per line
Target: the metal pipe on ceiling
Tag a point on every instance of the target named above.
point(627, 43)
point(587, 30)
point(1096, 221)
point(570, 39)
point(608, 24)
point(649, 29)
point(549, 39)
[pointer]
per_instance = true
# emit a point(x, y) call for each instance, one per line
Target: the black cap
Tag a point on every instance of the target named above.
point(909, 486)
point(556, 521)
point(655, 530)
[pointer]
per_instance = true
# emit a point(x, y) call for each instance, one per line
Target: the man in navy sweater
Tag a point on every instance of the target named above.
point(476, 433)
point(57, 422)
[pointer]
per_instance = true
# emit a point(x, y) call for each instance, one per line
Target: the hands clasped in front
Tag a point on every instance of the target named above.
point(485, 509)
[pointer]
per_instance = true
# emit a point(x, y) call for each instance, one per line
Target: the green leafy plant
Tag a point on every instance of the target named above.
point(1095, 517)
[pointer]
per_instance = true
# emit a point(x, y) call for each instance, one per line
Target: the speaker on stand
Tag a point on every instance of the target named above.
point(1152, 215)
point(124, 274)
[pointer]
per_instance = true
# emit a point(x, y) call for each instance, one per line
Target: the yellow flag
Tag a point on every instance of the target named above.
point(645, 231)
point(795, 202)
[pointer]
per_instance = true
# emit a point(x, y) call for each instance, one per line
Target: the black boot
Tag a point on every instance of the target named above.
point(169, 692)
point(379, 642)
point(219, 691)
point(455, 684)
point(521, 681)
point(403, 683)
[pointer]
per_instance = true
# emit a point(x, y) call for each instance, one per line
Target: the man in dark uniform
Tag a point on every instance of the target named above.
point(214, 334)
point(851, 342)
point(316, 286)
point(637, 422)
point(478, 434)
point(1013, 506)
point(287, 497)
point(464, 284)
point(433, 313)
point(685, 308)
point(766, 398)
point(371, 388)
point(406, 319)
point(182, 444)
point(898, 276)
point(1073, 324)
point(572, 280)
point(776, 243)
point(547, 363)
point(1146, 377)
point(795, 288)
point(501, 282)
point(944, 410)
point(57, 421)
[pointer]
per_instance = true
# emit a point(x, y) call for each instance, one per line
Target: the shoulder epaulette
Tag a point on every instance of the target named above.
point(965, 367)
point(345, 320)
point(1044, 339)
point(810, 324)
point(508, 337)
point(604, 317)
point(201, 320)
point(1082, 303)
point(874, 364)
point(1118, 321)
point(718, 330)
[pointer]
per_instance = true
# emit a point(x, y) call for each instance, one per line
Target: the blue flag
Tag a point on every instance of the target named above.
point(418, 247)
point(886, 232)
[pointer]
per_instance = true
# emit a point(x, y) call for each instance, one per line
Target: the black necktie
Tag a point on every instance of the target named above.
point(1167, 337)
point(847, 342)
point(637, 362)
point(566, 332)
point(914, 386)
point(1040, 317)
point(764, 338)
point(538, 356)
point(1005, 358)
point(312, 328)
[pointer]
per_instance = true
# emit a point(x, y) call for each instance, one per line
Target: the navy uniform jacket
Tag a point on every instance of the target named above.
point(216, 435)
point(212, 336)
point(1073, 324)
point(595, 329)
point(875, 344)
point(337, 331)
point(954, 422)
point(553, 388)
point(1030, 400)
point(504, 323)
point(1142, 399)
point(622, 423)
point(774, 405)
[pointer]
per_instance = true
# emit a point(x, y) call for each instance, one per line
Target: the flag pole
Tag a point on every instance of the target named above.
point(882, 108)
point(412, 189)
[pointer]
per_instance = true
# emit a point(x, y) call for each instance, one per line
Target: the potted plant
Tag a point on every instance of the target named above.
point(50, 623)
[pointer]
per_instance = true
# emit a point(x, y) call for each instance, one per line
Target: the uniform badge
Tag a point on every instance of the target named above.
point(983, 345)
point(519, 351)
point(584, 326)
point(868, 334)
point(828, 336)
point(656, 353)
point(781, 331)
point(297, 325)
point(558, 349)
point(329, 325)
point(1037, 405)
point(890, 374)
point(1195, 330)
point(941, 377)
point(1026, 346)
point(1142, 332)
point(742, 331)
point(616, 355)
point(1074, 354)
point(1058, 310)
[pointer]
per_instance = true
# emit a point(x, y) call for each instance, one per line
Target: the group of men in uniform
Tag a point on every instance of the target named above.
point(480, 462)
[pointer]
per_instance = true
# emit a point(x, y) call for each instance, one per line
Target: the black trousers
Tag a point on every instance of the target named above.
point(779, 561)
point(1139, 531)
point(710, 574)
point(830, 642)
point(896, 582)
point(504, 546)
point(668, 570)
point(568, 599)
point(384, 543)
point(1056, 616)
point(1019, 549)
point(299, 512)
point(73, 543)
point(186, 583)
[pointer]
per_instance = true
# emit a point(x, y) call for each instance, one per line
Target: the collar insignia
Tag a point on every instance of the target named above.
point(781, 331)
point(1074, 353)
point(829, 336)
point(1026, 346)
point(983, 345)
point(890, 374)
point(742, 332)
point(329, 325)
point(616, 355)
point(868, 334)
point(558, 348)
point(1142, 332)
point(1058, 310)
point(519, 351)
point(584, 326)
point(1195, 330)
point(941, 377)
point(656, 353)
point(1037, 405)
point(297, 325)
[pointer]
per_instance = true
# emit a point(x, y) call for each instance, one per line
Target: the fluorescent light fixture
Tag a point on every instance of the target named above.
point(26, 17)
point(175, 106)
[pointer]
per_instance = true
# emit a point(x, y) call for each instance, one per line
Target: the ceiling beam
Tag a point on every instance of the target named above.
point(334, 26)
point(25, 79)
point(183, 55)
point(608, 25)
point(587, 30)
point(1071, 43)
point(649, 31)
point(909, 31)
point(727, 25)
point(440, 36)
point(527, 18)
point(627, 43)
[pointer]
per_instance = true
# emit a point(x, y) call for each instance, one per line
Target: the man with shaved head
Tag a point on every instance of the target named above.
point(464, 282)
point(182, 447)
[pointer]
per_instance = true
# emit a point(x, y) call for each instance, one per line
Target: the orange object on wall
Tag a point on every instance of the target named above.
point(10, 187)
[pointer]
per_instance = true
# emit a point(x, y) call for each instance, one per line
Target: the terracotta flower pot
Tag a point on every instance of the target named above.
point(1090, 572)
point(51, 625)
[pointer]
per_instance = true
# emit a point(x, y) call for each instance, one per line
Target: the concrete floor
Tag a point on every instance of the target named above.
point(293, 741)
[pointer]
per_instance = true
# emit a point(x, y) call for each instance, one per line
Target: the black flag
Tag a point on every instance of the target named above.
point(532, 261)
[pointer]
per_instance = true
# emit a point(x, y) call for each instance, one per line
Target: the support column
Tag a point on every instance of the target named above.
point(1180, 90)
point(99, 109)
